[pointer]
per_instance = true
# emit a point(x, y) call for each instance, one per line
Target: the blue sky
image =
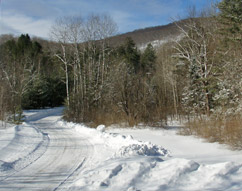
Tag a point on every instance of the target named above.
point(36, 16)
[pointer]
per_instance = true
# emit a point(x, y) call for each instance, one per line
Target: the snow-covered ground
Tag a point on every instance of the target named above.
point(188, 147)
point(46, 153)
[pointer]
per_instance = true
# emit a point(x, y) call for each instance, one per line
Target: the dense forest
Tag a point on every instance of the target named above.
point(196, 77)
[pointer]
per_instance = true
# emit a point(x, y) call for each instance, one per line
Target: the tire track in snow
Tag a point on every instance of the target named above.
point(65, 158)
point(88, 151)
point(64, 181)
point(21, 163)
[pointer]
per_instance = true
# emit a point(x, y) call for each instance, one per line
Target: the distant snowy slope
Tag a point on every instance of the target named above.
point(158, 43)
point(151, 34)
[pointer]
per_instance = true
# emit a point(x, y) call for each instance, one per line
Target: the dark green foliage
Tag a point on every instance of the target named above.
point(231, 16)
point(44, 92)
point(36, 95)
point(131, 55)
point(24, 43)
point(23, 51)
point(19, 63)
point(31, 78)
point(148, 59)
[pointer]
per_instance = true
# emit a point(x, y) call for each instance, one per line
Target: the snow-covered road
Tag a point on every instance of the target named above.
point(46, 153)
point(42, 155)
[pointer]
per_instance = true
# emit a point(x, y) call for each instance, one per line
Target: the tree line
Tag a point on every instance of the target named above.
point(26, 81)
point(209, 57)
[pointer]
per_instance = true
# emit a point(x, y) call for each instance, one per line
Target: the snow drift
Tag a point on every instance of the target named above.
point(135, 165)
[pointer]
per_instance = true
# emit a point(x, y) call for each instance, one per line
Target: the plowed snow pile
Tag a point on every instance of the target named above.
point(123, 163)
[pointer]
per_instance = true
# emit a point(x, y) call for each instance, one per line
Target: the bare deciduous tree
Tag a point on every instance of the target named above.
point(198, 50)
point(68, 31)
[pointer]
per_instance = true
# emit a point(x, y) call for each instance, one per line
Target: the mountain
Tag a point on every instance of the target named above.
point(154, 35)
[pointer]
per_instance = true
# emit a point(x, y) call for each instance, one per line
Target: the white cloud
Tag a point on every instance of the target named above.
point(5, 29)
point(35, 16)
point(33, 8)
point(18, 23)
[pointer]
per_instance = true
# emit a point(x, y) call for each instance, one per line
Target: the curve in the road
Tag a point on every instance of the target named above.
point(18, 161)
point(65, 156)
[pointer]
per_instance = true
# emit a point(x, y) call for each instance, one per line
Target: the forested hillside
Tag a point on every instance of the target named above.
point(105, 79)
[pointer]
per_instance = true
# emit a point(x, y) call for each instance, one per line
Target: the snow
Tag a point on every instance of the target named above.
point(101, 128)
point(189, 147)
point(111, 158)
point(158, 43)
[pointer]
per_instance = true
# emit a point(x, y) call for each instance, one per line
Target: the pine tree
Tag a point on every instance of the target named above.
point(231, 17)
point(19, 64)
point(131, 55)
point(148, 60)
point(228, 96)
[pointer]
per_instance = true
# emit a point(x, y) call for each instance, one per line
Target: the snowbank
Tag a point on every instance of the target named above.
point(135, 165)
point(123, 146)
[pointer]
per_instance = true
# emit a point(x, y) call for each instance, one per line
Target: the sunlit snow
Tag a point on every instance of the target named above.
point(47, 153)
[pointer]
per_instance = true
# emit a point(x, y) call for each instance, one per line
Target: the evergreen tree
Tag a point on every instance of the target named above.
point(228, 96)
point(131, 55)
point(231, 17)
point(148, 59)
point(27, 81)
point(44, 92)
point(19, 63)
